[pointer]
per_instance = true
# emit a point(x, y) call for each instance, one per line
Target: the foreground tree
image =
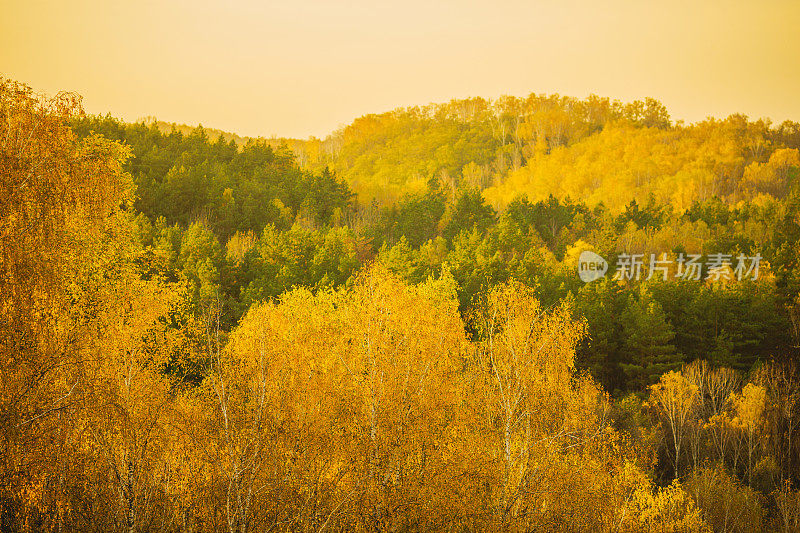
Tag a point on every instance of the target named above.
point(674, 398)
point(57, 195)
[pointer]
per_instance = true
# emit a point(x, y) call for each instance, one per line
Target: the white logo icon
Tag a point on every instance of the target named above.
point(591, 266)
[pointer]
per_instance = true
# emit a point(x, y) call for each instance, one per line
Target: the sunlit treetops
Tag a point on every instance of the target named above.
point(593, 150)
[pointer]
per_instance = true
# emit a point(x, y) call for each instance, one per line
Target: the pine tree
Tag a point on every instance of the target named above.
point(648, 350)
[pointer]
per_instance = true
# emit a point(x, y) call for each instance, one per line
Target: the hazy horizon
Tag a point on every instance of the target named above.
point(307, 68)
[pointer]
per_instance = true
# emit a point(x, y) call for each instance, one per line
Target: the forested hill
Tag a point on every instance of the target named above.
point(593, 150)
point(491, 191)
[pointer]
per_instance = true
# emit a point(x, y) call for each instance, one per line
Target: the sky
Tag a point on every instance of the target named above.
point(306, 67)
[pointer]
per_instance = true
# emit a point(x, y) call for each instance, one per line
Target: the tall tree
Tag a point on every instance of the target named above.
point(647, 341)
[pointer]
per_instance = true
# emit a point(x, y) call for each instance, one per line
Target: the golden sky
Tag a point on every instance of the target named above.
point(304, 67)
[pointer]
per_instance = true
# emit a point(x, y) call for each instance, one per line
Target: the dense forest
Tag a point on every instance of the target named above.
point(385, 329)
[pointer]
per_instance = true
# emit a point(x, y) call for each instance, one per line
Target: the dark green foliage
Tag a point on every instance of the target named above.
point(187, 178)
point(651, 216)
point(548, 217)
point(324, 195)
point(602, 305)
point(416, 217)
point(469, 212)
point(647, 341)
